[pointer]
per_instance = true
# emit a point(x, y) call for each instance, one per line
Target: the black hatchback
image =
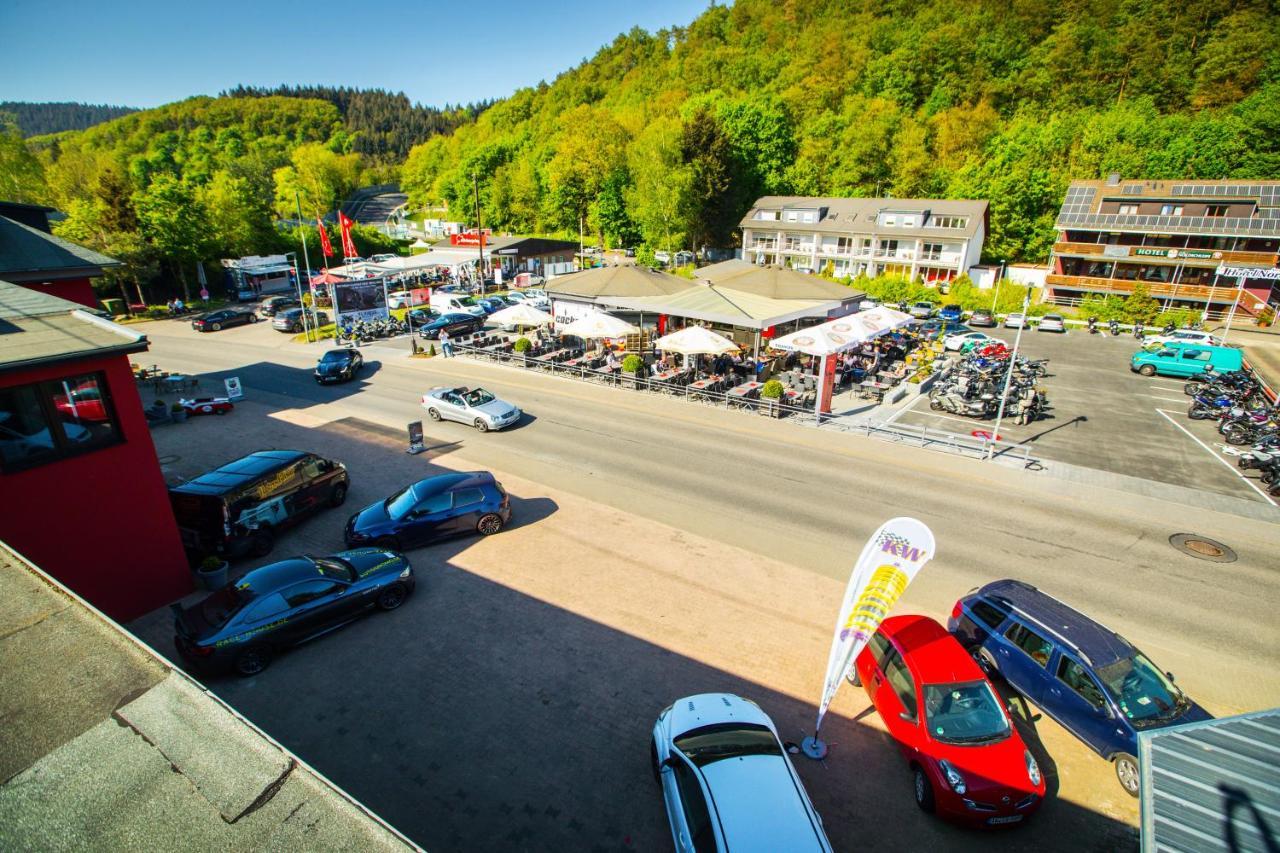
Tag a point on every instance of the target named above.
point(432, 509)
point(244, 624)
point(339, 365)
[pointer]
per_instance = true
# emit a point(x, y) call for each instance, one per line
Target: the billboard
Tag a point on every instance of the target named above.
point(365, 299)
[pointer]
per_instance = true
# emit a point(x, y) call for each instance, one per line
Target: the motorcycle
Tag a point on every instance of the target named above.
point(982, 406)
point(1137, 331)
point(1093, 325)
point(1029, 405)
point(1115, 328)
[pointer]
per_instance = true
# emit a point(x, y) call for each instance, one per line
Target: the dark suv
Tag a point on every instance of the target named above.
point(1085, 676)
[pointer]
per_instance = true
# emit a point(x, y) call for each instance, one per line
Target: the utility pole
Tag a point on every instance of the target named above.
point(995, 298)
point(475, 186)
point(1008, 377)
point(1234, 302)
point(582, 261)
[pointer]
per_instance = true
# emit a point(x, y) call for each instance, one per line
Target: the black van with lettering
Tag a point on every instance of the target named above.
point(236, 509)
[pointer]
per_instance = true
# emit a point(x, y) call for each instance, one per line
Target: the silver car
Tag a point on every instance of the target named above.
point(473, 406)
point(1051, 323)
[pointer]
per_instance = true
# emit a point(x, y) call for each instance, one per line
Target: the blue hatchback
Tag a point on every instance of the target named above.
point(1085, 676)
point(950, 313)
point(432, 509)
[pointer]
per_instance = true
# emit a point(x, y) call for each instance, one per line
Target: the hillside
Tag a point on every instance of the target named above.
point(35, 119)
point(667, 137)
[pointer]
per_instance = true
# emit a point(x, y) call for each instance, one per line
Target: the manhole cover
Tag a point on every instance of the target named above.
point(1202, 548)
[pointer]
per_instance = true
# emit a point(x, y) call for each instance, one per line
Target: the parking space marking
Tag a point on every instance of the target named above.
point(1232, 468)
point(1166, 398)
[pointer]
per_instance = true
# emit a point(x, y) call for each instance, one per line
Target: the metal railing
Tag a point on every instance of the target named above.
point(940, 440)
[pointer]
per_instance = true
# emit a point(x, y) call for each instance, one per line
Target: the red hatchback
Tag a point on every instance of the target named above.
point(969, 762)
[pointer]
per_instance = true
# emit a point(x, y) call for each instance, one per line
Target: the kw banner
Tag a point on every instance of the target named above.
point(890, 560)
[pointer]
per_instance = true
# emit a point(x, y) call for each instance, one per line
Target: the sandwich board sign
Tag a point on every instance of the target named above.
point(233, 387)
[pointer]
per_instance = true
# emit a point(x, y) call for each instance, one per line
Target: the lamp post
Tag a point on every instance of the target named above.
point(297, 278)
point(996, 298)
point(1008, 377)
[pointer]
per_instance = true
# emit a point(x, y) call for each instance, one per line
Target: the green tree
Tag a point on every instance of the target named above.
point(21, 175)
point(658, 197)
point(714, 205)
point(318, 176)
point(173, 221)
point(1139, 305)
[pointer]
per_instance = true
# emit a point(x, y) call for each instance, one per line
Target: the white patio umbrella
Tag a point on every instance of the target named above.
point(597, 324)
point(695, 340)
point(521, 314)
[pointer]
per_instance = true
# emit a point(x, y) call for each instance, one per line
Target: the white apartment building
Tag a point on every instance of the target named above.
point(926, 239)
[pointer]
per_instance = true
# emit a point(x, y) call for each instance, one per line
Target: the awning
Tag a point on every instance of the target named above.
point(722, 305)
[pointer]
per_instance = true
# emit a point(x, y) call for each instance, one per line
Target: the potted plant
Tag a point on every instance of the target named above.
point(177, 413)
point(633, 366)
point(212, 572)
point(521, 348)
point(770, 395)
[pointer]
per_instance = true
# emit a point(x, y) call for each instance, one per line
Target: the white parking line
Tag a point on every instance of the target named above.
point(1232, 468)
point(1168, 399)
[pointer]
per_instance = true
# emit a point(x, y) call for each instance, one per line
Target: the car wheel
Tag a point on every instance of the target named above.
point(489, 524)
point(935, 405)
point(297, 327)
point(338, 495)
point(252, 661)
point(217, 327)
point(434, 414)
point(206, 409)
point(481, 425)
point(219, 411)
point(261, 543)
point(984, 661)
point(923, 790)
point(1128, 773)
point(253, 318)
point(392, 597)
point(1147, 370)
point(388, 543)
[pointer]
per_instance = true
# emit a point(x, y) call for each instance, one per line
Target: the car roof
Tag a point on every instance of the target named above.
point(275, 576)
point(758, 803)
point(234, 474)
point(446, 482)
point(935, 656)
point(1098, 643)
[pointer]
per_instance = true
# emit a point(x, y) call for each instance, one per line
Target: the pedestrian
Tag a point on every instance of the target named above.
point(446, 345)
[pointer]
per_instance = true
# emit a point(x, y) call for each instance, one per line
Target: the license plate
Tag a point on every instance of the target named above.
point(1013, 818)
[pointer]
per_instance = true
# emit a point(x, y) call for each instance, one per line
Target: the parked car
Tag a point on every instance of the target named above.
point(1016, 320)
point(216, 321)
point(84, 403)
point(207, 406)
point(956, 340)
point(382, 258)
point(421, 316)
point(663, 258)
point(931, 328)
point(399, 299)
point(491, 304)
point(237, 508)
point(982, 317)
point(951, 313)
point(432, 509)
point(339, 365)
point(921, 310)
point(967, 758)
point(1052, 323)
point(471, 406)
point(1088, 678)
point(726, 781)
point(1185, 360)
point(273, 304)
point(1182, 336)
point(630, 253)
point(243, 625)
point(456, 324)
point(291, 320)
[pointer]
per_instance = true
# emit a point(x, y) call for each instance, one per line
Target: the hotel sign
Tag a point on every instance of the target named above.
point(1193, 254)
point(1272, 274)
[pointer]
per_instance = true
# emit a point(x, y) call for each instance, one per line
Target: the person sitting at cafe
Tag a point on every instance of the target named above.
point(611, 361)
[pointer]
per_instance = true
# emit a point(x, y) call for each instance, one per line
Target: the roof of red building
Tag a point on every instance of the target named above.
point(29, 254)
point(36, 328)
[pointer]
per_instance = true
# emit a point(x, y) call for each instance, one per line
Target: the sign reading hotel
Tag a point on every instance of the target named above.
point(1193, 254)
point(1272, 274)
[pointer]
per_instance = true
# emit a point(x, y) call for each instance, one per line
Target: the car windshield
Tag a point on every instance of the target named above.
point(1145, 695)
point(478, 397)
point(336, 356)
point(218, 608)
point(964, 713)
point(399, 504)
point(731, 740)
point(334, 567)
point(466, 300)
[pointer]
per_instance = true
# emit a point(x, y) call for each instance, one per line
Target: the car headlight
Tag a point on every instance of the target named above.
point(953, 777)
point(1033, 769)
point(408, 570)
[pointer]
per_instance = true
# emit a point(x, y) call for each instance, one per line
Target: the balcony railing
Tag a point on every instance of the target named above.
point(1158, 289)
point(799, 247)
point(1207, 256)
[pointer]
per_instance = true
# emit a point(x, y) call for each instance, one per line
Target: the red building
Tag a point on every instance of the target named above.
point(81, 492)
point(30, 255)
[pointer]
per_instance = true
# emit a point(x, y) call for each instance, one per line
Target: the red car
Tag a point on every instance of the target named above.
point(969, 763)
point(207, 406)
point(84, 403)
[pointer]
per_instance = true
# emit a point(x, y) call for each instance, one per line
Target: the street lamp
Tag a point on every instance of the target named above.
point(297, 278)
point(1008, 378)
point(996, 298)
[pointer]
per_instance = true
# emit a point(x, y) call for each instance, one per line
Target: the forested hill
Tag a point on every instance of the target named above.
point(384, 125)
point(36, 119)
point(668, 137)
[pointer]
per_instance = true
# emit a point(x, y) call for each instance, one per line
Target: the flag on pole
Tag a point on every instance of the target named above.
point(325, 245)
point(348, 247)
point(890, 560)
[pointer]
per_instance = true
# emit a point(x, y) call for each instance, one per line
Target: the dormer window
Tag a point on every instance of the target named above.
point(889, 220)
point(908, 222)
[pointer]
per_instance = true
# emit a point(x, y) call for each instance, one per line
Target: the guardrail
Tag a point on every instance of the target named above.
point(940, 440)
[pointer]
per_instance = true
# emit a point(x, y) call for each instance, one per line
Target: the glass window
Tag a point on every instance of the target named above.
point(964, 713)
point(879, 644)
point(332, 567)
point(990, 616)
point(713, 743)
point(1030, 642)
point(695, 808)
point(308, 591)
point(467, 497)
point(1216, 210)
point(52, 420)
point(311, 468)
point(899, 677)
point(478, 397)
point(1145, 695)
point(272, 605)
point(435, 503)
point(1074, 676)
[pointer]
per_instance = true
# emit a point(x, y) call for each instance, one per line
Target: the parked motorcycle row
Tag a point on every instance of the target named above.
point(1244, 416)
point(972, 387)
point(366, 331)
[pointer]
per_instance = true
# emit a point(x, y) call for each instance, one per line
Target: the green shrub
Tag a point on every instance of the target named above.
point(211, 563)
point(772, 390)
point(522, 345)
point(177, 407)
point(632, 364)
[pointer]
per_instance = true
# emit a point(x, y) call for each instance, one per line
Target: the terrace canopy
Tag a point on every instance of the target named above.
point(774, 282)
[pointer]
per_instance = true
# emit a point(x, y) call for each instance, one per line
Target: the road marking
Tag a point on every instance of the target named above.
point(1233, 469)
point(1167, 399)
point(969, 421)
point(1176, 388)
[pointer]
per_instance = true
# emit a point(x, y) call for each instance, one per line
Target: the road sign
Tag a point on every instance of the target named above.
point(984, 434)
point(233, 388)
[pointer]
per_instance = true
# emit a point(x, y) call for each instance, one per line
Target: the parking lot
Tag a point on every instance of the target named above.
point(1106, 417)
point(507, 705)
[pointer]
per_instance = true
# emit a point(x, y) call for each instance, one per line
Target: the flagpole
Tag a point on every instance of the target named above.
point(306, 261)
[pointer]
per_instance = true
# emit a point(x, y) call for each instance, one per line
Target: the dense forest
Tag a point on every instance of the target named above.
point(384, 125)
point(37, 119)
point(666, 138)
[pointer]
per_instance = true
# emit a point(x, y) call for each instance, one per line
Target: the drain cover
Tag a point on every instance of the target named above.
point(1202, 548)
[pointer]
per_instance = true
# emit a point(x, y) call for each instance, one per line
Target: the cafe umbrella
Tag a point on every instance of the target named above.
point(521, 315)
point(695, 340)
point(598, 324)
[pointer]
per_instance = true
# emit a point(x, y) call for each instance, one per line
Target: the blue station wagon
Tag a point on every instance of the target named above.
point(1085, 676)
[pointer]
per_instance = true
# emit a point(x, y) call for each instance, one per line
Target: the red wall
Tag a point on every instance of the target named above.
point(100, 522)
point(76, 289)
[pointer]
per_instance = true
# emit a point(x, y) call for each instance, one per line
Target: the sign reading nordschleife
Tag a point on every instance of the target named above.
point(1272, 274)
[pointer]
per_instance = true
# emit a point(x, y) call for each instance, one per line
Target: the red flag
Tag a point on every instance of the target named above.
point(325, 245)
point(348, 247)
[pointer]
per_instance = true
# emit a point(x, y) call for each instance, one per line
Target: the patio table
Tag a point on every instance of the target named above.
point(740, 394)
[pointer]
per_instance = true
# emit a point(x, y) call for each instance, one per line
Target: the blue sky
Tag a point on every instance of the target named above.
point(143, 53)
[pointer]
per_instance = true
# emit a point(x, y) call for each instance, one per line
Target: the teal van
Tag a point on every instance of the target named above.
point(1186, 360)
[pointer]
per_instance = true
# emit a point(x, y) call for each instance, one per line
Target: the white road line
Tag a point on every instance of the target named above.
point(973, 423)
point(1232, 468)
point(1177, 389)
point(1168, 399)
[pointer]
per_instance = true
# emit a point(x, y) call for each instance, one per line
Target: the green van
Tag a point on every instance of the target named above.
point(1186, 360)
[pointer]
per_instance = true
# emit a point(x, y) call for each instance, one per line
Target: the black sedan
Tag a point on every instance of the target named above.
point(243, 625)
point(339, 365)
point(217, 320)
point(455, 324)
point(431, 509)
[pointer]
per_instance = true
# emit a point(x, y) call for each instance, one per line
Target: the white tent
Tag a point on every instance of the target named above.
point(695, 340)
point(521, 314)
point(598, 324)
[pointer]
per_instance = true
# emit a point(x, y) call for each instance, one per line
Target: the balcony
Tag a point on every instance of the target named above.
point(798, 248)
point(1207, 256)
point(1158, 289)
point(763, 246)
